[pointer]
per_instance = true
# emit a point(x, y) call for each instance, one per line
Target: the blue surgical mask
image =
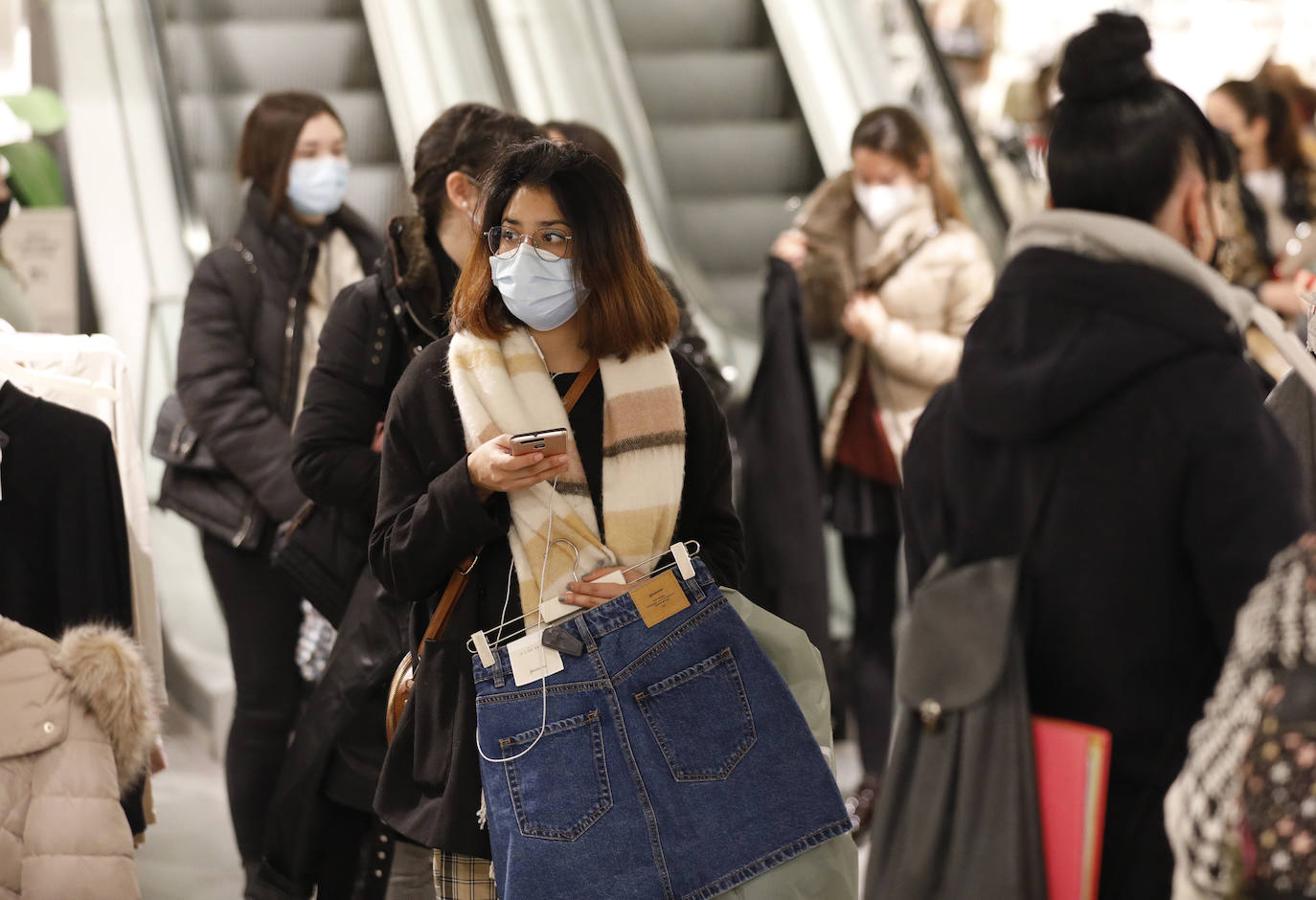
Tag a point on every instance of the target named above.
point(541, 293)
point(316, 187)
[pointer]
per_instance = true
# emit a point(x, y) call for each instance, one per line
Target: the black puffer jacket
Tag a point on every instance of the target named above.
point(374, 329)
point(1174, 489)
point(240, 349)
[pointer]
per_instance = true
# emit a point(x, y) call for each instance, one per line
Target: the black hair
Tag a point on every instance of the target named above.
point(466, 138)
point(629, 308)
point(592, 140)
point(1122, 136)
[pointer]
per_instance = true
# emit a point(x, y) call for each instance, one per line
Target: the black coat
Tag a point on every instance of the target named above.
point(1174, 489)
point(777, 433)
point(63, 537)
point(374, 329)
point(240, 349)
point(430, 519)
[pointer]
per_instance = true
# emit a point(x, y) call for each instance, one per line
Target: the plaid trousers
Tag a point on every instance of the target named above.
point(458, 877)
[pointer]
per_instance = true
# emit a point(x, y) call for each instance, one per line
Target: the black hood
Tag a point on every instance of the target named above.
point(1065, 332)
point(418, 275)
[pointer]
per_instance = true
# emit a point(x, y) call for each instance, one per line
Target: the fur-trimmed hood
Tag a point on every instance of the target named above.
point(97, 666)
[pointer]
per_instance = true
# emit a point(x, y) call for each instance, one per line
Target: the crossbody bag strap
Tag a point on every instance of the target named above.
point(462, 575)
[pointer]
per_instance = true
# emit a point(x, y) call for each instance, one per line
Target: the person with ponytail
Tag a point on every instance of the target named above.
point(324, 832)
point(888, 265)
point(1104, 406)
point(1275, 173)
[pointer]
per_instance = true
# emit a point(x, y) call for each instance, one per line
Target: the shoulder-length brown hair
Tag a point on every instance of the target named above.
point(895, 131)
point(627, 309)
point(269, 138)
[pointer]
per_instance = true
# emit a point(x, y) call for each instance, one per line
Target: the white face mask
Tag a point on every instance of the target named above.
point(542, 294)
point(316, 187)
point(883, 203)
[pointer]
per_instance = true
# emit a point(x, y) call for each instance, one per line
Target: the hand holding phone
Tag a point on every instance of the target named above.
point(550, 442)
point(495, 468)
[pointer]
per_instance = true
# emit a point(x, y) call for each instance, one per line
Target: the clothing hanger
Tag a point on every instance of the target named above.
point(683, 557)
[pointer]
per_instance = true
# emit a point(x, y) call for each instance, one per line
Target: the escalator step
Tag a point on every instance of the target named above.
point(711, 85)
point(245, 55)
point(690, 24)
point(753, 157)
point(211, 10)
point(731, 233)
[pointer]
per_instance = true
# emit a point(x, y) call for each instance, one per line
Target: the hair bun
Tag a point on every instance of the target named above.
point(1107, 59)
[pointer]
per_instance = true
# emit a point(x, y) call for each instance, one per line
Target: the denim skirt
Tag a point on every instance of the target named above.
point(672, 761)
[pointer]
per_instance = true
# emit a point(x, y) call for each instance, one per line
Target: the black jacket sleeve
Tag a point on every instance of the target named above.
point(332, 455)
point(217, 388)
point(430, 517)
point(708, 514)
point(1242, 501)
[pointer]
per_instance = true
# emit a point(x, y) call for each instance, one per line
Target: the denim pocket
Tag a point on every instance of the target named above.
point(701, 719)
point(556, 794)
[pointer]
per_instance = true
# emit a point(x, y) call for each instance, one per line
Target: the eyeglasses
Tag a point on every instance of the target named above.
point(549, 244)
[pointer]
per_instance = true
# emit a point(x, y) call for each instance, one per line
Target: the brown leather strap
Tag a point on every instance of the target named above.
point(462, 576)
point(578, 386)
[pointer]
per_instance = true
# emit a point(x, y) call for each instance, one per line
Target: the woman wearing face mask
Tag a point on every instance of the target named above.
point(250, 327)
point(561, 281)
point(374, 330)
point(883, 255)
point(1103, 393)
point(1276, 174)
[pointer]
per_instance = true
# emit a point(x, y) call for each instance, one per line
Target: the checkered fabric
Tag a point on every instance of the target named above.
point(458, 877)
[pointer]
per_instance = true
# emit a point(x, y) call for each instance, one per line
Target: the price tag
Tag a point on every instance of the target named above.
point(531, 660)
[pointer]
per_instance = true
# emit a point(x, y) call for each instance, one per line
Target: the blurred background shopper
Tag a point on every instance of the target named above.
point(888, 266)
point(249, 340)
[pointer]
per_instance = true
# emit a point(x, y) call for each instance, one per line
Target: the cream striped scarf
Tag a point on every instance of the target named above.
point(503, 387)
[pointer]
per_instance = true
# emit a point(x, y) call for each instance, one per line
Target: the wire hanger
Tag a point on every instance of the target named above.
point(498, 637)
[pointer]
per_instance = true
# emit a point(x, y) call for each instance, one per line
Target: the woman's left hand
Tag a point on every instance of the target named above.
point(865, 318)
point(590, 592)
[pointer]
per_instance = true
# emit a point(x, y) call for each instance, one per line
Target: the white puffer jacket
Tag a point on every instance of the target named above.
point(934, 278)
point(79, 720)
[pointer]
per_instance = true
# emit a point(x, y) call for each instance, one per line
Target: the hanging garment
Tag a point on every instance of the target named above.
point(64, 552)
point(665, 761)
point(830, 871)
point(89, 373)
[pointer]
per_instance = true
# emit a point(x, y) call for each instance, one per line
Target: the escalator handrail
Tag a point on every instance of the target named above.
point(963, 128)
point(196, 237)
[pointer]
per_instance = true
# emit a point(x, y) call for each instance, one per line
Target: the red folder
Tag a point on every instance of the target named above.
point(1073, 764)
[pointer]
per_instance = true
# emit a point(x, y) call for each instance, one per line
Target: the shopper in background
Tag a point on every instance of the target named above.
point(565, 281)
point(249, 337)
point(886, 261)
point(80, 719)
point(689, 339)
point(1106, 380)
point(373, 331)
point(14, 306)
point(1274, 171)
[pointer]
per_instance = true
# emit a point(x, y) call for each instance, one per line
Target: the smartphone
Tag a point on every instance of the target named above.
point(552, 442)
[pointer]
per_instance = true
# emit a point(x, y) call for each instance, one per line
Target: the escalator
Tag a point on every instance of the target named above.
point(221, 55)
point(729, 135)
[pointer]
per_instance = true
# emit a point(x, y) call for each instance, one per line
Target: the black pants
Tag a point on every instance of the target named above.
point(263, 616)
point(870, 567)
